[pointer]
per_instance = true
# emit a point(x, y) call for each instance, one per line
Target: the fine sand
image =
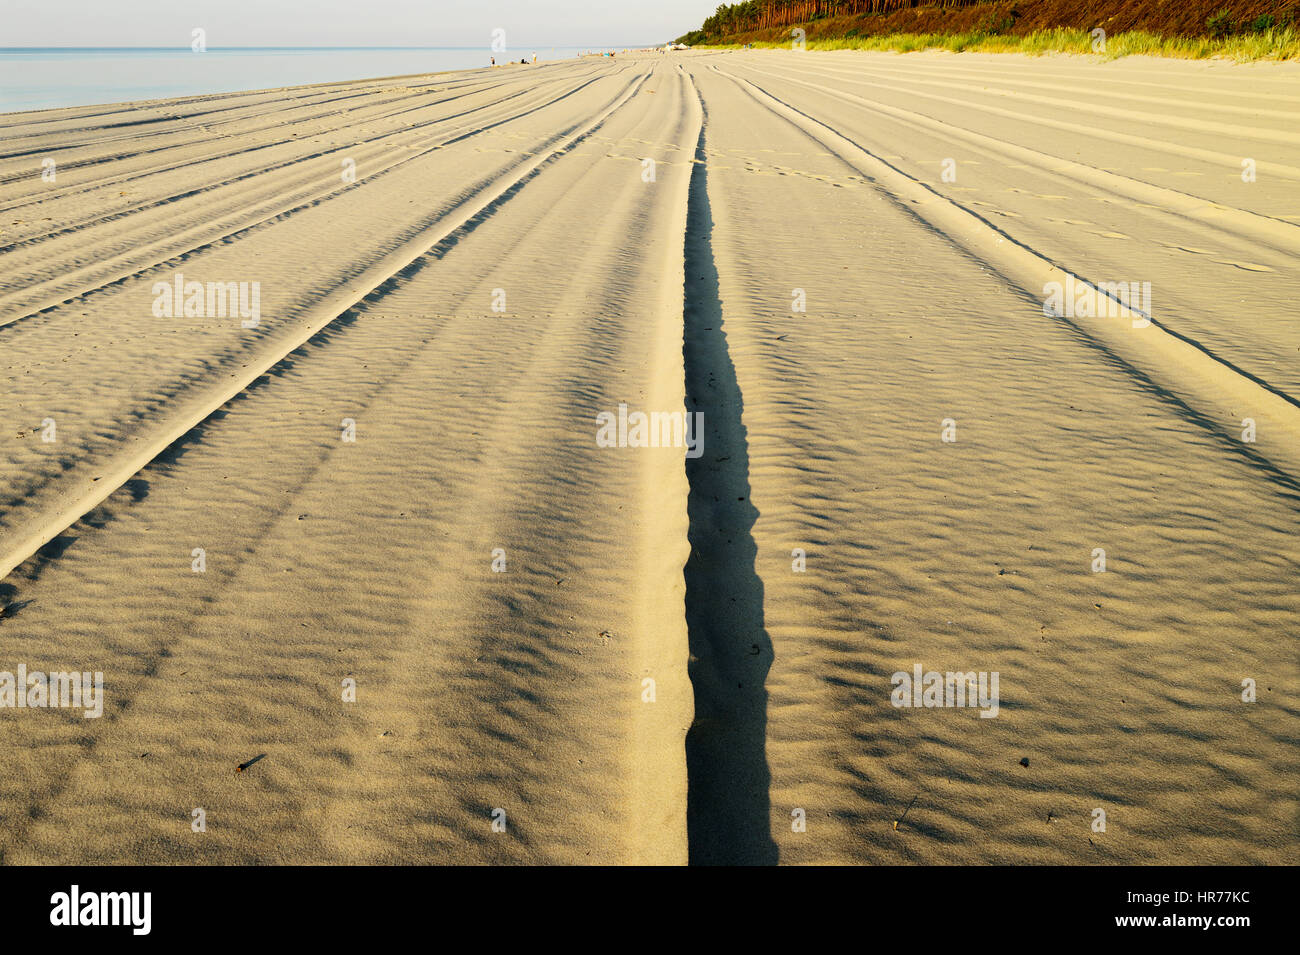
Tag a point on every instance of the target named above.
point(564, 652)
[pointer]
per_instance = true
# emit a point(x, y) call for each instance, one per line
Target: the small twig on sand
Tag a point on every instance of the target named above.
point(906, 811)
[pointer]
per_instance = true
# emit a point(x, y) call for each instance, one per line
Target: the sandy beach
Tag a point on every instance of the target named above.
point(366, 584)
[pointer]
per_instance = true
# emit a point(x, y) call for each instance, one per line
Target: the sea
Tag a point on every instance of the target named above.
point(45, 77)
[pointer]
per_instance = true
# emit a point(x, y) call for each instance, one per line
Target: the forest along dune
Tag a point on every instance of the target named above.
point(351, 525)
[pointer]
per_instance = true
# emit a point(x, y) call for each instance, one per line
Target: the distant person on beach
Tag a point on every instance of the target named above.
point(494, 61)
point(534, 57)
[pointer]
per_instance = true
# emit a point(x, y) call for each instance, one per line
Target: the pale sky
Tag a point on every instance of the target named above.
point(347, 22)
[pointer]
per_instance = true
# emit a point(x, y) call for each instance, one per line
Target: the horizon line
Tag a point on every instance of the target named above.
point(573, 46)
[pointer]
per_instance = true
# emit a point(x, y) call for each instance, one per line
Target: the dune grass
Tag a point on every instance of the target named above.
point(1278, 43)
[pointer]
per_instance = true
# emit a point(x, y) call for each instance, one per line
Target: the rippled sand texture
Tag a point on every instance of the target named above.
point(683, 659)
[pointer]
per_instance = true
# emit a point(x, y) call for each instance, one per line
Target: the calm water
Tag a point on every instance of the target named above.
point(42, 78)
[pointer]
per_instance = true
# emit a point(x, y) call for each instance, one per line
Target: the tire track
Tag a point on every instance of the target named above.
point(38, 306)
point(179, 124)
point(1221, 392)
point(1239, 223)
point(727, 809)
point(1090, 74)
point(1226, 130)
point(135, 175)
point(1245, 112)
point(29, 534)
point(1189, 152)
point(196, 120)
point(384, 137)
point(76, 114)
point(407, 665)
point(71, 228)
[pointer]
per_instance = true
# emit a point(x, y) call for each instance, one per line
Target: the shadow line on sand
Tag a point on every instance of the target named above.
point(728, 813)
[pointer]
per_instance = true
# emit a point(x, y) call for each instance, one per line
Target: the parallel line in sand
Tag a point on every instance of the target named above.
point(658, 778)
point(65, 113)
point(178, 123)
point(82, 188)
point(1187, 368)
point(1187, 152)
point(211, 185)
point(728, 780)
point(1111, 113)
point(60, 299)
point(273, 107)
point(33, 533)
point(1263, 229)
point(1246, 111)
point(936, 69)
point(661, 778)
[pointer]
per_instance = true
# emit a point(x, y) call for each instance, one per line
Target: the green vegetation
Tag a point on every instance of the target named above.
point(1270, 44)
point(1192, 29)
point(1220, 24)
